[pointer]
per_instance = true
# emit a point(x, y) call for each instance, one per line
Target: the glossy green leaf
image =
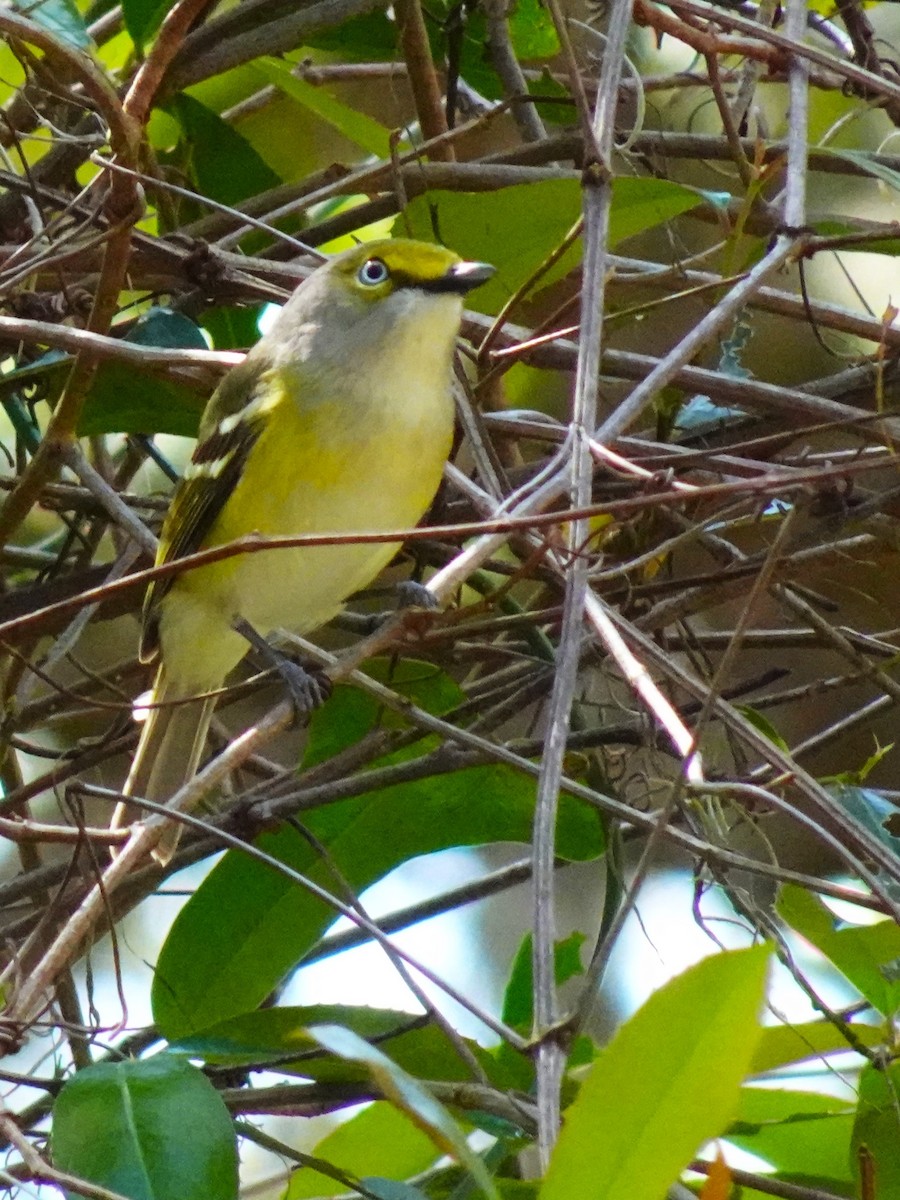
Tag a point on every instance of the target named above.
point(532, 31)
point(42, 378)
point(279, 1037)
point(556, 105)
point(668, 1082)
point(876, 1131)
point(367, 38)
point(450, 1183)
point(701, 417)
point(379, 1141)
point(355, 125)
point(143, 18)
point(222, 164)
point(878, 814)
point(467, 31)
point(125, 400)
point(232, 328)
point(878, 243)
point(273, 1034)
point(407, 1094)
point(59, 17)
point(246, 926)
point(153, 1129)
point(867, 955)
point(350, 712)
point(165, 327)
point(864, 160)
point(803, 1135)
point(780, 1045)
point(518, 1007)
point(759, 720)
point(517, 227)
point(518, 999)
point(392, 1189)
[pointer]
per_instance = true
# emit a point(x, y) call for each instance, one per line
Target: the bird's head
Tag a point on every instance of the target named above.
point(397, 296)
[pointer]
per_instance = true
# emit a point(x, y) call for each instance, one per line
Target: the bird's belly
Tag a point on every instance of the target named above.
point(349, 484)
point(305, 588)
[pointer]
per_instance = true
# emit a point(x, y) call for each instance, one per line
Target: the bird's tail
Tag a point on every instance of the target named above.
point(167, 756)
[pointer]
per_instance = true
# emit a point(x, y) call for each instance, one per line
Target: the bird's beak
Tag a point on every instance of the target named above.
point(461, 278)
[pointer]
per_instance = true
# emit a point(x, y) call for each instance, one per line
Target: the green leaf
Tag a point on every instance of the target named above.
point(557, 105)
point(381, 1140)
point(449, 1183)
point(125, 400)
point(701, 417)
point(667, 1082)
point(152, 1130)
point(407, 1094)
point(532, 31)
point(232, 328)
point(279, 1037)
point(391, 1189)
point(165, 327)
point(517, 227)
point(518, 999)
point(246, 926)
point(143, 18)
point(367, 38)
point(222, 164)
point(876, 1131)
point(760, 721)
point(364, 130)
point(518, 1010)
point(864, 160)
point(803, 1135)
point(780, 1045)
point(878, 814)
point(42, 379)
point(59, 17)
point(350, 712)
point(866, 954)
point(848, 231)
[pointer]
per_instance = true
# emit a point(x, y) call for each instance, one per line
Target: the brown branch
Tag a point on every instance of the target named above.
point(422, 76)
point(503, 57)
point(124, 205)
point(252, 29)
point(24, 831)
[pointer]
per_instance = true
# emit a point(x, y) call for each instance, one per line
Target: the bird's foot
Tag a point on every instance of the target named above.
point(309, 687)
point(413, 602)
point(411, 594)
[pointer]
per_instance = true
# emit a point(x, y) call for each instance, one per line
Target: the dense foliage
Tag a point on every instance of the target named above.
point(666, 551)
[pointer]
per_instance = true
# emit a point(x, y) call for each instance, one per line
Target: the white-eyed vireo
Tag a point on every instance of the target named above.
point(339, 420)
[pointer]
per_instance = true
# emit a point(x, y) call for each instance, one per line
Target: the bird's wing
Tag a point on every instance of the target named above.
point(230, 429)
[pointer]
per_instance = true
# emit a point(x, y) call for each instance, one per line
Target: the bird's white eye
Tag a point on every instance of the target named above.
point(372, 272)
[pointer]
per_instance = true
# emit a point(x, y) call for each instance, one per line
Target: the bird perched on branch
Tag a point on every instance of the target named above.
point(339, 420)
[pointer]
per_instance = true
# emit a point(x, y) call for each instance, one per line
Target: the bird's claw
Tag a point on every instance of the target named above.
point(309, 687)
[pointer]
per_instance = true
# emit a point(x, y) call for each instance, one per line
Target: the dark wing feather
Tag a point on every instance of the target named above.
point(202, 494)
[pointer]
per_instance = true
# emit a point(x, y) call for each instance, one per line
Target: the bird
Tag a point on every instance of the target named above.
point(339, 420)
